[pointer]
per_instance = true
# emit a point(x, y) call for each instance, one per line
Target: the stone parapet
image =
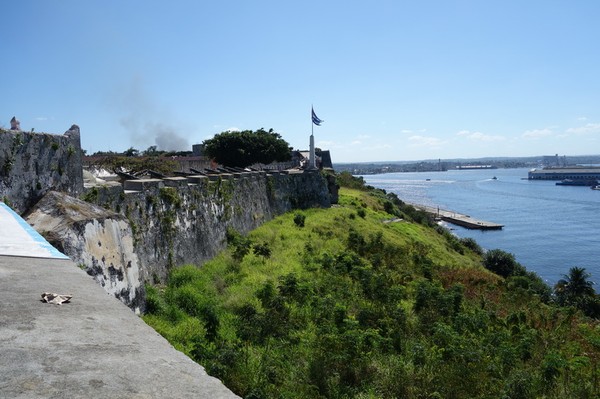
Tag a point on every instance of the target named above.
point(178, 181)
point(143, 184)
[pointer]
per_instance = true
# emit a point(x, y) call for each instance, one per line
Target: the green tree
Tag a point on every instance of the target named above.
point(248, 147)
point(502, 263)
point(131, 152)
point(574, 287)
point(152, 150)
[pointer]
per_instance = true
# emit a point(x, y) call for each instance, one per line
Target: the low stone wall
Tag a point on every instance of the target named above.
point(31, 164)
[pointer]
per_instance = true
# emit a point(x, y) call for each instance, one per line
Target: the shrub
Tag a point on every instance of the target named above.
point(472, 245)
point(389, 207)
point(361, 212)
point(263, 250)
point(189, 300)
point(502, 263)
point(299, 219)
point(345, 179)
point(239, 244)
point(184, 275)
point(154, 303)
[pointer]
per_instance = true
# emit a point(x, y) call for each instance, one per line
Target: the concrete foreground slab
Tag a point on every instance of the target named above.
point(92, 347)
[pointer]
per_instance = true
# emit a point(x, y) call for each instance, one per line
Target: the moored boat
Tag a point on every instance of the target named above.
point(579, 182)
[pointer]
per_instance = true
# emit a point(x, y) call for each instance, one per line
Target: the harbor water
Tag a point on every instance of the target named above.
point(548, 228)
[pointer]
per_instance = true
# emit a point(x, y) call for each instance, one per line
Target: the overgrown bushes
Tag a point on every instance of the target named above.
point(355, 308)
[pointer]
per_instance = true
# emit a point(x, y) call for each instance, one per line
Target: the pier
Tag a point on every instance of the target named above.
point(460, 219)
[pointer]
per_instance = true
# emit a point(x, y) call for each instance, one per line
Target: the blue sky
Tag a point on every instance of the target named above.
point(393, 80)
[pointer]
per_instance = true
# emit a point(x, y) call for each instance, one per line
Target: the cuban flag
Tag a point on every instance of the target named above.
point(316, 119)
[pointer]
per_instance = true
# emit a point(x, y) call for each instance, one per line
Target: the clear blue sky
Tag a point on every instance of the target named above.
point(393, 80)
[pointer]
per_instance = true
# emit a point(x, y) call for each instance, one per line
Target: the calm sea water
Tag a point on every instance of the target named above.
point(548, 228)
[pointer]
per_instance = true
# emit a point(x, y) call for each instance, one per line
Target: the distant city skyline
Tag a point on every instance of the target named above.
point(392, 80)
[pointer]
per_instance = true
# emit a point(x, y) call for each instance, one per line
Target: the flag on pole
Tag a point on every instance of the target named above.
point(315, 118)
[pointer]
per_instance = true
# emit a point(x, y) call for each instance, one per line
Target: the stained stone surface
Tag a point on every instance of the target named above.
point(91, 347)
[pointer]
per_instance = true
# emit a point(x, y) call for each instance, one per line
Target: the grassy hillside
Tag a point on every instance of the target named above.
point(368, 300)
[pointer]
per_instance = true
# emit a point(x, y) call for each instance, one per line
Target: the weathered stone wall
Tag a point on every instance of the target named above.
point(145, 227)
point(98, 240)
point(31, 164)
point(179, 221)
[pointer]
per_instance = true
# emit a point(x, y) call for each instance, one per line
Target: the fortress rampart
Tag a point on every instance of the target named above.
point(184, 220)
point(131, 233)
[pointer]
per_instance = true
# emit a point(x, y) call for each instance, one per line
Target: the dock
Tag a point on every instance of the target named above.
point(460, 219)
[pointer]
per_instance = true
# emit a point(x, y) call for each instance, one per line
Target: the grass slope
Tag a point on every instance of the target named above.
point(362, 301)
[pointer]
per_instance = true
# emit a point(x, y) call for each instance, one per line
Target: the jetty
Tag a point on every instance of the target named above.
point(459, 219)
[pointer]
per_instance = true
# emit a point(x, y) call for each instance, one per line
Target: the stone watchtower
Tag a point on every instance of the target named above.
point(31, 164)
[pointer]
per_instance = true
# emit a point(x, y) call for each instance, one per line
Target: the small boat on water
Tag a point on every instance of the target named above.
point(494, 178)
point(582, 182)
point(596, 187)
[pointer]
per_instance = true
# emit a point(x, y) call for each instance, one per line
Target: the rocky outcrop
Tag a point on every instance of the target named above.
point(31, 164)
point(98, 240)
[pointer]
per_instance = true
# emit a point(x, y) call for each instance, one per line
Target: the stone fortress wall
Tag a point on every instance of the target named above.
point(129, 234)
point(31, 164)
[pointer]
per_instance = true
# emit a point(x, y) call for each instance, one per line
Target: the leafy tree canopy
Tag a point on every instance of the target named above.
point(247, 147)
point(502, 263)
point(575, 284)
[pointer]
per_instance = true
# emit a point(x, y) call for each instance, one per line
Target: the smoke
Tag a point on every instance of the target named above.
point(146, 122)
point(167, 138)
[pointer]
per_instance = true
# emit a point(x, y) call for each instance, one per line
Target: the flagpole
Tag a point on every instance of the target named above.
point(312, 162)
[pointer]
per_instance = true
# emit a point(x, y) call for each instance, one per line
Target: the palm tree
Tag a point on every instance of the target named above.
point(574, 287)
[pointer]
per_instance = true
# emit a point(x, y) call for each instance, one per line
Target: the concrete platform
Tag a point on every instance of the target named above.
point(460, 219)
point(92, 347)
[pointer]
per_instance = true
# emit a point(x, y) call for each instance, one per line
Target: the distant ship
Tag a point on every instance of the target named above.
point(581, 182)
point(468, 167)
point(584, 173)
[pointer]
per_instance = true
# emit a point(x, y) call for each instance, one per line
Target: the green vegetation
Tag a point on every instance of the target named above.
point(9, 161)
point(575, 289)
point(246, 148)
point(299, 219)
point(384, 305)
point(170, 196)
point(91, 195)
